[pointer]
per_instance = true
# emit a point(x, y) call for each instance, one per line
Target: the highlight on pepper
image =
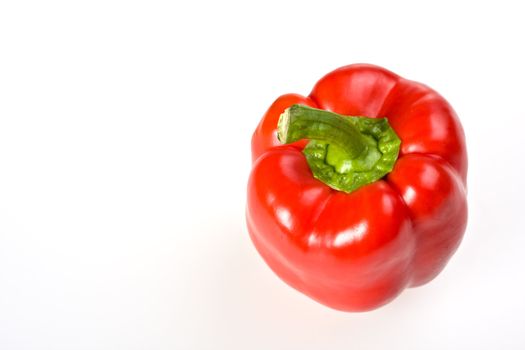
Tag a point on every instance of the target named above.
point(358, 190)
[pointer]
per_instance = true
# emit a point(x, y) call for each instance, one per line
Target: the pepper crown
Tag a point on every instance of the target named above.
point(344, 152)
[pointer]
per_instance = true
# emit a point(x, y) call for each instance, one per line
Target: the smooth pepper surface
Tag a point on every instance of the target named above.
point(357, 250)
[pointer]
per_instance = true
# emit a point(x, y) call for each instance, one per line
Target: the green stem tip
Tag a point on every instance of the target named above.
point(344, 152)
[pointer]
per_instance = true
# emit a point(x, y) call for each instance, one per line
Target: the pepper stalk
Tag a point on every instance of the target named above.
point(344, 152)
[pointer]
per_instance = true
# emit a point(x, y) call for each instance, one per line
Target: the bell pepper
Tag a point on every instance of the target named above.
point(358, 190)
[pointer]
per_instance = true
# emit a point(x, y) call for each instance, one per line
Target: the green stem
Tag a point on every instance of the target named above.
point(345, 153)
point(300, 122)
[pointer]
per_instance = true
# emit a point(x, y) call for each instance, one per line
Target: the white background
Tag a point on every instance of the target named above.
point(125, 151)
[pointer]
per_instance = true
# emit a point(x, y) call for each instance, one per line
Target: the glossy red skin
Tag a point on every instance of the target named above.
point(358, 251)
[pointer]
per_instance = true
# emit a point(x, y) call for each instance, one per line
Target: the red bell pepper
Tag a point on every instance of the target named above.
point(352, 210)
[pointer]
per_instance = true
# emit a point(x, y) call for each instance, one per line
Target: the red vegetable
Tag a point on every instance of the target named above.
point(350, 248)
